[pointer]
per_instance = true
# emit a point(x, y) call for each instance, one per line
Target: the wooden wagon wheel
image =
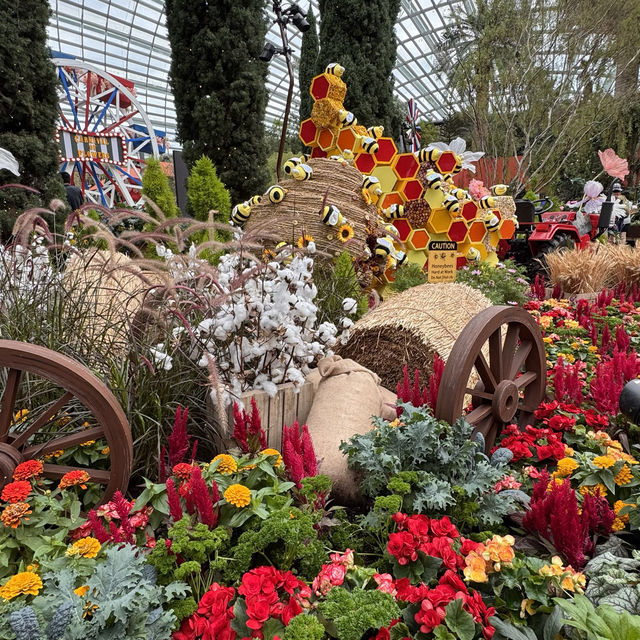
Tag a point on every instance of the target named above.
point(34, 438)
point(513, 381)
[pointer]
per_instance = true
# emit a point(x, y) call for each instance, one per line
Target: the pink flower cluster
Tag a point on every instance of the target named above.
point(333, 574)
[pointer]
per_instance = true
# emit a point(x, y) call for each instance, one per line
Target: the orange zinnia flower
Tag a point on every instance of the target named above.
point(27, 470)
point(16, 491)
point(72, 478)
point(14, 513)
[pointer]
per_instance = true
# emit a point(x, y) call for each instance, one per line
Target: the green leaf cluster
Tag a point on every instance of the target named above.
point(155, 186)
point(350, 614)
point(407, 276)
point(123, 600)
point(304, 627)
point(615, 581)
point(503, 284)
point(433, 466)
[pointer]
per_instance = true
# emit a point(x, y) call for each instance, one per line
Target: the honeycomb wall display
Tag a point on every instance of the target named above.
point(413, 192)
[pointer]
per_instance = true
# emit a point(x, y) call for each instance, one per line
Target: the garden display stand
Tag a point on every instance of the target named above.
point(512, 380)
point(29, 373)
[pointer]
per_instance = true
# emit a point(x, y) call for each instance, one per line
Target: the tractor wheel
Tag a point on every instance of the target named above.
point(538, 266)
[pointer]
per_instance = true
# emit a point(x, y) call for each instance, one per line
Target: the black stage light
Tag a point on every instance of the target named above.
point(268, 52)
point(300, 22)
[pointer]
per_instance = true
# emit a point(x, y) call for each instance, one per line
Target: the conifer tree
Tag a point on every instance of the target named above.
point(359, 35)
point(309, 52)
point(28, 106)
point(218, 84)
point(155, 186)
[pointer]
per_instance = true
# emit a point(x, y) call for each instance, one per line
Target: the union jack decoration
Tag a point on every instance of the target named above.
point(413, 133)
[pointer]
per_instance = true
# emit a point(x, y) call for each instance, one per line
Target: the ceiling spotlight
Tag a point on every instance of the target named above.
point(268, 52)
point(300, 22)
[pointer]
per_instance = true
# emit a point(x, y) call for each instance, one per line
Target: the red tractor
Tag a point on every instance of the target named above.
point(541, 231)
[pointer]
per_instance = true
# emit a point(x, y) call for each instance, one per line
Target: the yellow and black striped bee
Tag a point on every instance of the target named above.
point(491, 222)
point(331, 216)
point(334, 69)
point(276, 193)
point(433, 180)
point(394, 212)
point(499, 189)
point(290, 164)
point(473, 255)
point(401, 258)
point(302, 172)
point(451, 204)
point(369, 145)
point(428, 154)
point(488, 202)
point(458, 166)
point(375, 132)
point(283, 247)
point(370, 188)
point(255, 200)
point(240, 214)
point(385, 247)
point(347, 119)
point(461, 194)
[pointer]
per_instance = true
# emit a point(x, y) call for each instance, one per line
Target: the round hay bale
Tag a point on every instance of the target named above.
point(300, 211)
point(410, 328)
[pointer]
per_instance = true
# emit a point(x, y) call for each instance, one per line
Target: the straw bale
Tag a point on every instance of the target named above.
point(110, 288)
point(301, 209)
point(410, 328)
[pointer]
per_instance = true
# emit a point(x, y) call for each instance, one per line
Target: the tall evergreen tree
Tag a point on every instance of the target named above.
point(28, 106)
point(309, 52)
point(360, 36)
point(219, 89)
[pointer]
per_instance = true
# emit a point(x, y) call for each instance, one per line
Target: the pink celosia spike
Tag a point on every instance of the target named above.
point(309, 460)
point(175, 508)
point(201, 497)
point(97, 528)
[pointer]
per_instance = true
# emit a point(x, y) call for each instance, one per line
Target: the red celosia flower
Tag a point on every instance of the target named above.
point(175, 508)
point(16, 491)
point(28, 469)
point(202, 498)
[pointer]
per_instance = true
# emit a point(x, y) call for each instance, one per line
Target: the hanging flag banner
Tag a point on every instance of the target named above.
point(75, 145)
point(413, 131)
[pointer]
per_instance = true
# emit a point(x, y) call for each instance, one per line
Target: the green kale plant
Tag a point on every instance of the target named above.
point(350, 614)
point(122, 600)
point(287, 539)
point(304, 627)
point(615, 581)
point(433, 467)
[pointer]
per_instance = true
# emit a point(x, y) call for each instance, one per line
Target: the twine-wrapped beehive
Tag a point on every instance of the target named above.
point(411, 328)
point(300, 211)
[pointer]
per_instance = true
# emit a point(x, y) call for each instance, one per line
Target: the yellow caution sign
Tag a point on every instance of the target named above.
point(442, 261)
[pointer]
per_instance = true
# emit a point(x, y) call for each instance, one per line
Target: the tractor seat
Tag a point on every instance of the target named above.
point(525, 211)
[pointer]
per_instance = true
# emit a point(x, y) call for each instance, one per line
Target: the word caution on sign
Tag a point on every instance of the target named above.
point(442, 261)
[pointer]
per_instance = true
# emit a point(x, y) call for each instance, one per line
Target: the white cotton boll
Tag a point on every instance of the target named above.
point(220, 333)
point(295, 376)
point(176, 332)
point(311, 247)
point(350, 306)
point(344, 337)
point(161, 358)
point(347, 323)
point(269, 387)
point(204, 328)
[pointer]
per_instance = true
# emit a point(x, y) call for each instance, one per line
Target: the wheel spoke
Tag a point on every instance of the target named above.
point(477, 393)
point(9, 402)
point(519, 358)
point(526, 379)
point(56, 471)
point(42, 420)
point(479, 414)
point(65, 442)
point(509, 348)
point(484, 427)
point(495, 353)
point(485, 372)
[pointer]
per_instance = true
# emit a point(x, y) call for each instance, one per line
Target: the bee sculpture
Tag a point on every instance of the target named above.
point(428, 154)
point(491, 222)
point(332, 216)
point(433, 180)
point(385, 247)
point(394, 212)
point(488, 202)
point(461, 194)
point(375, 132)
point(371, 189)
point(347, 119)
point(451, 204)
point(334, 69)
point(473, 255)
point(254, 200)
point(499, 189)
point(401, 258)
point(369, 145)
point(290, 165)
point(240, 214)
point(302, 172)
point(276, 193)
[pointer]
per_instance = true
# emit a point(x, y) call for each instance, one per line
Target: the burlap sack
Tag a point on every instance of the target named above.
point(346, 398)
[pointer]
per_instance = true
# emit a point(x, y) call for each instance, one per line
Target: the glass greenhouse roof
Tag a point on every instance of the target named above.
point(128, 38)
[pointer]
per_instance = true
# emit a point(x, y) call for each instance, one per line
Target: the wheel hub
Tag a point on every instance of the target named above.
point(505, 401)
point(10, 458)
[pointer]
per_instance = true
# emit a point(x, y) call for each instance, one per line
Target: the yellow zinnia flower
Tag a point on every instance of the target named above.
point(84, 548)
point(566, 467)
point(618, 524)
point(593, 348)
point(227, 464)
point(603, 462)
point(273, 452)
point(26, 583)
point(624, 476)
point(238, 495)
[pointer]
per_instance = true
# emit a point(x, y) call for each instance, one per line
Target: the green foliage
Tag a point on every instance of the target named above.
point(352, 613)
point(336, 284)
point(155, 186)
point(304, 627)
point(309, 51)
point(218, 85)
point(430, 132)
point(28, 109)
point(615, 581)
point(408, 275)
point(368, 54)
point(433, 466)
point(123, 601)
point(503, 284)
point(287, 540)
point(603, 623)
